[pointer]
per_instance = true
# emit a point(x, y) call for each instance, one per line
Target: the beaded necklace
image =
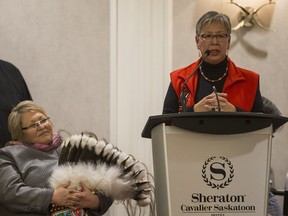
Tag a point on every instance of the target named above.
point(216, 80)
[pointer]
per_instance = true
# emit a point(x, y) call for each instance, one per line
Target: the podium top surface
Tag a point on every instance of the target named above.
point(215, 122)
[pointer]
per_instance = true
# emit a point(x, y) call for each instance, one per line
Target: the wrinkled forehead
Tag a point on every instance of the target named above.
point(31, 116)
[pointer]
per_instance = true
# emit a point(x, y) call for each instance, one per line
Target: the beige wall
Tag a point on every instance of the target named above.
point(260, 50)
point(62, 50)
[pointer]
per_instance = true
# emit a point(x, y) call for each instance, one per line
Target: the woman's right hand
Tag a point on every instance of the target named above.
point(210, 103)
point(63, 196)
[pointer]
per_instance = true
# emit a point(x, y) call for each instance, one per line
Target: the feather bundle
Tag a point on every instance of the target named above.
point(96, 176)
point(102, 166)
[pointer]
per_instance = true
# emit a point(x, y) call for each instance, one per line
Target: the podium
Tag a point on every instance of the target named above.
point(214, 163)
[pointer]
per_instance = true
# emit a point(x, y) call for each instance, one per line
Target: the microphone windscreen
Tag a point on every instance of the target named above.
point(207, 53)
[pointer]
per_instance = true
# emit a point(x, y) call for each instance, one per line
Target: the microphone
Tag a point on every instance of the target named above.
point(184, 91)
point(217, 98)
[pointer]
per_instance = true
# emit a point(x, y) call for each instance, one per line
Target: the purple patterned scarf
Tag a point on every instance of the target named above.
point(55, 143)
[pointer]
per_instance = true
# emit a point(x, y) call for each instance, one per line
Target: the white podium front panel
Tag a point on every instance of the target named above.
point(215, 175)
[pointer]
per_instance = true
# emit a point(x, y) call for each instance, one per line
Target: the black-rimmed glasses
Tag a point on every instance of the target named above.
point(209, 37)
point(36, 124)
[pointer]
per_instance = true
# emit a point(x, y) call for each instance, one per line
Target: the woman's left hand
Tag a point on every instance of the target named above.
point(224, 104)
point(87, 198)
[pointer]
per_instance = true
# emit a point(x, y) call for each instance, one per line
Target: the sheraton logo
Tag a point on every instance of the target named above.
point(217, 172)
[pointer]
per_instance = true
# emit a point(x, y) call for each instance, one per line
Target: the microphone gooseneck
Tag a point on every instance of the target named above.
point(217, 98)
point(184, 90)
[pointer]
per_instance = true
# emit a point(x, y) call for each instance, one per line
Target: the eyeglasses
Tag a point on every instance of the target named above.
point(36, 124)
point(209, 37)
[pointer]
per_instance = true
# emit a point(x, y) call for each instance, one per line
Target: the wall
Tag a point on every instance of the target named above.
point(62, 50)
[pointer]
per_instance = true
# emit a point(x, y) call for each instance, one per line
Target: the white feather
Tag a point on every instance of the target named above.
point(107, 149)
point(91, 143)
point(96, 177)
point(74, 140)
point(113, 151)
point(144, 202)
point(116, 155)
point(84, 141)
point(140, 169)
point(123, 156)
point(129, 161)
point(99, 146)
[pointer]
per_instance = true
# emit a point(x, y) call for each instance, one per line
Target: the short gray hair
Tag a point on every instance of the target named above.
point(213, 17)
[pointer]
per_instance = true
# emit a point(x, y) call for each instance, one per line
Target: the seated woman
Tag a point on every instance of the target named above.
point(26, 164)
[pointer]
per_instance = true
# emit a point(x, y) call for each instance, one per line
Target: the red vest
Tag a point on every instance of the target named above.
point(240, 85)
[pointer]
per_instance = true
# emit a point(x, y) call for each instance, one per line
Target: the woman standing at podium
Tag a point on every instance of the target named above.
point(193, 88)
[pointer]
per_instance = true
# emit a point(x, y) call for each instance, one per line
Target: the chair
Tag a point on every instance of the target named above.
point(284, 193)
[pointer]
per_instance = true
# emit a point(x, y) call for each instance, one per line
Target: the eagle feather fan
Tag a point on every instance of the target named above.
point(103, 167)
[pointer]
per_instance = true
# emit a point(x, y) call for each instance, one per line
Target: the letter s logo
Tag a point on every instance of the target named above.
point(218, 172)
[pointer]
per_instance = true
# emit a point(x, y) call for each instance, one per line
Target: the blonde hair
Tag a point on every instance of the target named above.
point(15, 118)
